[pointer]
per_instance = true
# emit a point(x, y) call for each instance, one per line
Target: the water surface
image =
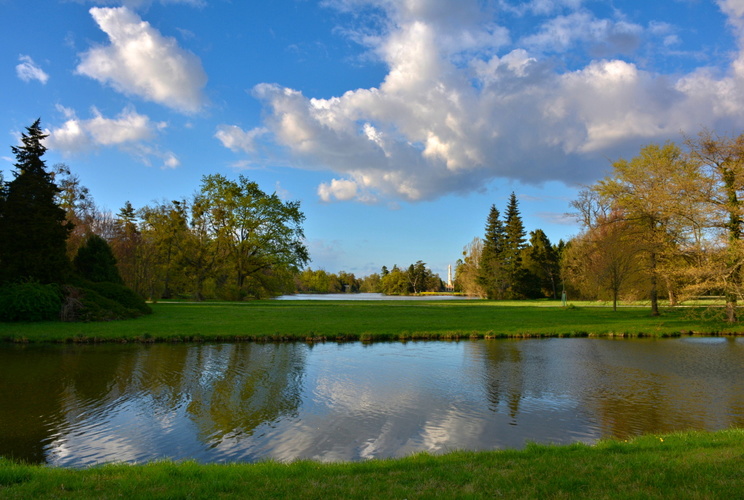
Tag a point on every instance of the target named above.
point(80, 405)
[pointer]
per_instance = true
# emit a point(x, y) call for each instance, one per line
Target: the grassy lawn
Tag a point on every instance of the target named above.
point(374, 320)
point(693, 465)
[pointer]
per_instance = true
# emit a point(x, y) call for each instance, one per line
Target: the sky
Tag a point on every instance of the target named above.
point(396, 123)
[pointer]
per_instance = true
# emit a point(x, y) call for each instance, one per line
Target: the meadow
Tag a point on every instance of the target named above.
point(273, 320)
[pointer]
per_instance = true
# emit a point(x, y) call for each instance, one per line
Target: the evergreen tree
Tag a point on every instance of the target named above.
point(542, 261)
point(490, 273)
point(96, 262)
point(33, 228)
point(516, 276)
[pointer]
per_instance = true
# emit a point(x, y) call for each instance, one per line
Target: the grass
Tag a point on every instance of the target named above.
point(694, 465)
point(373, 320)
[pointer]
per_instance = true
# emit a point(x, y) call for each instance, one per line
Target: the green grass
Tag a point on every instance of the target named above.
point(374, 320)
point(692, 465)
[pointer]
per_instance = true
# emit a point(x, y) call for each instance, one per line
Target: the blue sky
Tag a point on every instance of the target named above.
point(396, 123)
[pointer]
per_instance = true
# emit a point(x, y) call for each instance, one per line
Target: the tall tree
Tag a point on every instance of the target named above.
point(720, 161)
point(490, 267)
point(259, 232)
point(33, 227)
point(657, 193)
point(514, 243)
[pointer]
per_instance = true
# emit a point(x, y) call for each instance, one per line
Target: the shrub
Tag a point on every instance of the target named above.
point(30, 301)
point(96, 262)
point(122, 295)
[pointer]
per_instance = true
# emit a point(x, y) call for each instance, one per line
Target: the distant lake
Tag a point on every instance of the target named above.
point(76, 405)
point(369, 296)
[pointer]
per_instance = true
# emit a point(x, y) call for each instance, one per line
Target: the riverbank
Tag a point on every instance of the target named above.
point(375, 321)
point(681, 465)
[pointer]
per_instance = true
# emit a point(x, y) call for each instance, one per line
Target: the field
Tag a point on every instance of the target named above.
point(374, 321)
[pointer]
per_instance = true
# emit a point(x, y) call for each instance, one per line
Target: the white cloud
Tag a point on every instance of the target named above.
point(142, 62)
point(28, 70)
point(451, 116)
point(603, 36)
point(338, 189)
point(129, 131)
point(135, 4)
point(236, 139)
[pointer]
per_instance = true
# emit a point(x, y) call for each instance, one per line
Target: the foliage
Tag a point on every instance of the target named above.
point(501, 272)
point(230, 240)
point(467, 272)
point(30, 301)
point(96, 262)
point(103, 301)
point(33, 228)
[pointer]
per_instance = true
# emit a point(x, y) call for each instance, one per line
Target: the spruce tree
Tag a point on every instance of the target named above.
point(33, 228)
point(490, 275)
point(514, 243)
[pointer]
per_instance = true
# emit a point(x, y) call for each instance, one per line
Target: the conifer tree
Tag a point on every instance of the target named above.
point(514, 242)
point(490, 275)
point(33, 228)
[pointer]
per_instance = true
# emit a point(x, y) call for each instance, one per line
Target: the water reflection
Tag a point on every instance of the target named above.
point(78, 405)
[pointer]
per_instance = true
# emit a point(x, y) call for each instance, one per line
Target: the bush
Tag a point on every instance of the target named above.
point(96, 262)
point(30, 301)
point(122, 295)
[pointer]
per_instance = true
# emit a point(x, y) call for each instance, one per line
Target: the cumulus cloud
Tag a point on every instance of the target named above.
point(140, 61)
point(237, 139)
point(28, 70)
point(129, 131)
point(462, 105)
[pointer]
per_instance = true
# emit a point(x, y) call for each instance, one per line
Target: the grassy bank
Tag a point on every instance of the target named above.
point(684, 465)
point(383, 320)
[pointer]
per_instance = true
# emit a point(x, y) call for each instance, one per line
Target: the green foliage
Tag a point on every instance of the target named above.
point(96, 262)
point(33, 228)
point(29, 301)
point(122, 295)
point(89, 301)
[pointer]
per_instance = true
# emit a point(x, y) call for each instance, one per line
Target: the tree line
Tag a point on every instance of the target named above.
point(667, 222)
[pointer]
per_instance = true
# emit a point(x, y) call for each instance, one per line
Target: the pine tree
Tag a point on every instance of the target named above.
point(33, 228)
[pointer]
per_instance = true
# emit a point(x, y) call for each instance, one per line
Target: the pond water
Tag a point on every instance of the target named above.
point(369, 296)
point(80, 405)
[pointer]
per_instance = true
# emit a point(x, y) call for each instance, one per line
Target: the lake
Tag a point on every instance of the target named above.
point(77, 405)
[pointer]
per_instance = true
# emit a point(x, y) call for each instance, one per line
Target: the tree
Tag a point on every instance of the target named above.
point(33, 227)
point(77, 202)
point(258, 232)
point(657, 193)
point(603, 261)
point(541, 260)
point(490, 266)
point(468, 268)
point(96, 262)
point(514, 243)
point(720, 161)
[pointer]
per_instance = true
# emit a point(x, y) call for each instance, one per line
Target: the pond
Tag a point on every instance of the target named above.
point(79, 405)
